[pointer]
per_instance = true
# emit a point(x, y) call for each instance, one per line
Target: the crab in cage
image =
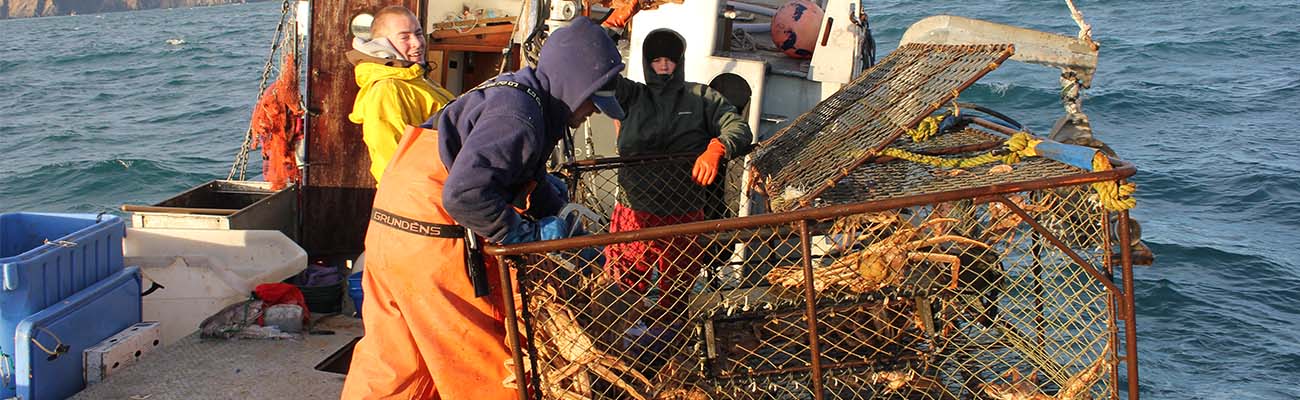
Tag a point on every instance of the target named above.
point(893, 242)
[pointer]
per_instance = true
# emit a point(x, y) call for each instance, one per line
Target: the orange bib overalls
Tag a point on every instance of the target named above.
point(427, 336)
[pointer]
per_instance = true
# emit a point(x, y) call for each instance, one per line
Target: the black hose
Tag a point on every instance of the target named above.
point(1014, 124)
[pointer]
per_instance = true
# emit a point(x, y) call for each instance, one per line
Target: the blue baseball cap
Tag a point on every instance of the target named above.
point(604, 100)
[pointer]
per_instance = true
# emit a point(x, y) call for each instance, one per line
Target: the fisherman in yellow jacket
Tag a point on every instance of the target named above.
point(394, 92)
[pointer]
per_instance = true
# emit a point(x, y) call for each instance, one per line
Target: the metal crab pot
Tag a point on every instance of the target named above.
point(1033, 307)
point(836, 271)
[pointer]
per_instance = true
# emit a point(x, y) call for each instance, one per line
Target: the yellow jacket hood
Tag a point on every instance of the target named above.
point(389, 99)
point(367, 73)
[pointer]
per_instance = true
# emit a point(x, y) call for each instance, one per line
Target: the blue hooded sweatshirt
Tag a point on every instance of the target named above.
point(496, 140)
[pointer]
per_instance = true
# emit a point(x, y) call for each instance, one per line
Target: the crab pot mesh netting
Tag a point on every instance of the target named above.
point(661, 186)
point(949, 300)
point(840, 132)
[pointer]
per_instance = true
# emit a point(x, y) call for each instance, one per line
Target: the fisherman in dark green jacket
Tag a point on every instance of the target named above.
point(667, 115)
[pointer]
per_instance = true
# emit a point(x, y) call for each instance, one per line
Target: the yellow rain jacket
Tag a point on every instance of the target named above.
point(390, 99)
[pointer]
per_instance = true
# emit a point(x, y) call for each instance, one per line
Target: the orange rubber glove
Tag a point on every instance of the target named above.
point(623, 11)
point(706, 165)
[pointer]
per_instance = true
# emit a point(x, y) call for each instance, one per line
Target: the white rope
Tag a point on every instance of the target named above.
point(1085, 30)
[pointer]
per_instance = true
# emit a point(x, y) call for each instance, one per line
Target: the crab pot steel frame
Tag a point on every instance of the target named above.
point(989, 291)
point(875, 277)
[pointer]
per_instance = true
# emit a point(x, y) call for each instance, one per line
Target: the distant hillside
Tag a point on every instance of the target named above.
point(47, 8)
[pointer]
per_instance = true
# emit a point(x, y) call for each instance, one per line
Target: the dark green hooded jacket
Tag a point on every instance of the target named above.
point(667, 115)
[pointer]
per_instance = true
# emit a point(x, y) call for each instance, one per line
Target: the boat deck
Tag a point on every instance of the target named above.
point(234, 369)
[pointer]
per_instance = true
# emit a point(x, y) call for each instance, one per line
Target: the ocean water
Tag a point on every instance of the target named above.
point(101, 110)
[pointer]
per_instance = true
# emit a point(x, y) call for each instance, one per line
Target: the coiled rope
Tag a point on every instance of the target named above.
point(926, 129)
point(1112, 195)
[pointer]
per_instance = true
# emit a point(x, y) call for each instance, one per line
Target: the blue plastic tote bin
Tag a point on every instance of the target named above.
point(45, 258)
point(49, 363)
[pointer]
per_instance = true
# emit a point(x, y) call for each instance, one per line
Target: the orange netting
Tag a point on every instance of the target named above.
point(277, 126)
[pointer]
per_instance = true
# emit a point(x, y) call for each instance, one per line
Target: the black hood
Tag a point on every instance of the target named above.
point(663, 43)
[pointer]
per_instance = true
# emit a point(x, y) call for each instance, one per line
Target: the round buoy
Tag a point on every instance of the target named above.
point(795, 28)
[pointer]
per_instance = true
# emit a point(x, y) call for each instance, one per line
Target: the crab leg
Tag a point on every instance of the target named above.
point(949, 259)
point(604, 367)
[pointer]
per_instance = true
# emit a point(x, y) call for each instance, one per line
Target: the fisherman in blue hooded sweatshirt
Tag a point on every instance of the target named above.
point(476, 170)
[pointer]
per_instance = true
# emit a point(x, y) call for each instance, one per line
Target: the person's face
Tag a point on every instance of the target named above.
point(663, 65)
point(406, 36)
point(581, 114)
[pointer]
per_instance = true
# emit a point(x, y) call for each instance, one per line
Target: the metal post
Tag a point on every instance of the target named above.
point(512, 327)
point(1108, 258)
point(1130, 323)
point(306, 122)
point(1056, 242)
point(805, 245)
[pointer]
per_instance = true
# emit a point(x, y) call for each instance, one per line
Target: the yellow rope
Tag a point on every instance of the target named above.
point(940, 161)
point(1111, 194)
point(1019, 145)
point(926, 129)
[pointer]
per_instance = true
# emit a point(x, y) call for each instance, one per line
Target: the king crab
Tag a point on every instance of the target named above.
point(881, 263)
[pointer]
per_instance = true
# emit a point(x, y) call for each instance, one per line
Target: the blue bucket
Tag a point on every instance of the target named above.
point(354, 290)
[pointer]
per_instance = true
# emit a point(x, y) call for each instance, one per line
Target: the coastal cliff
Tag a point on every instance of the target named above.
point(47, 8)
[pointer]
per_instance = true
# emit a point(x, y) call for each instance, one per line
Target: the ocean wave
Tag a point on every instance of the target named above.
point(58, 136)
point(1223, 268)
point(1158, 103)
point(96, 57)
point(1276, 193)
point(181, 81)
point(163, 118)
point(1023, 94)
point(104, 96)
point(185, 52)
point(1179, 255)
point(1282, 36)
point(1206, 300)
point(101, 184)
point(1286, 90)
